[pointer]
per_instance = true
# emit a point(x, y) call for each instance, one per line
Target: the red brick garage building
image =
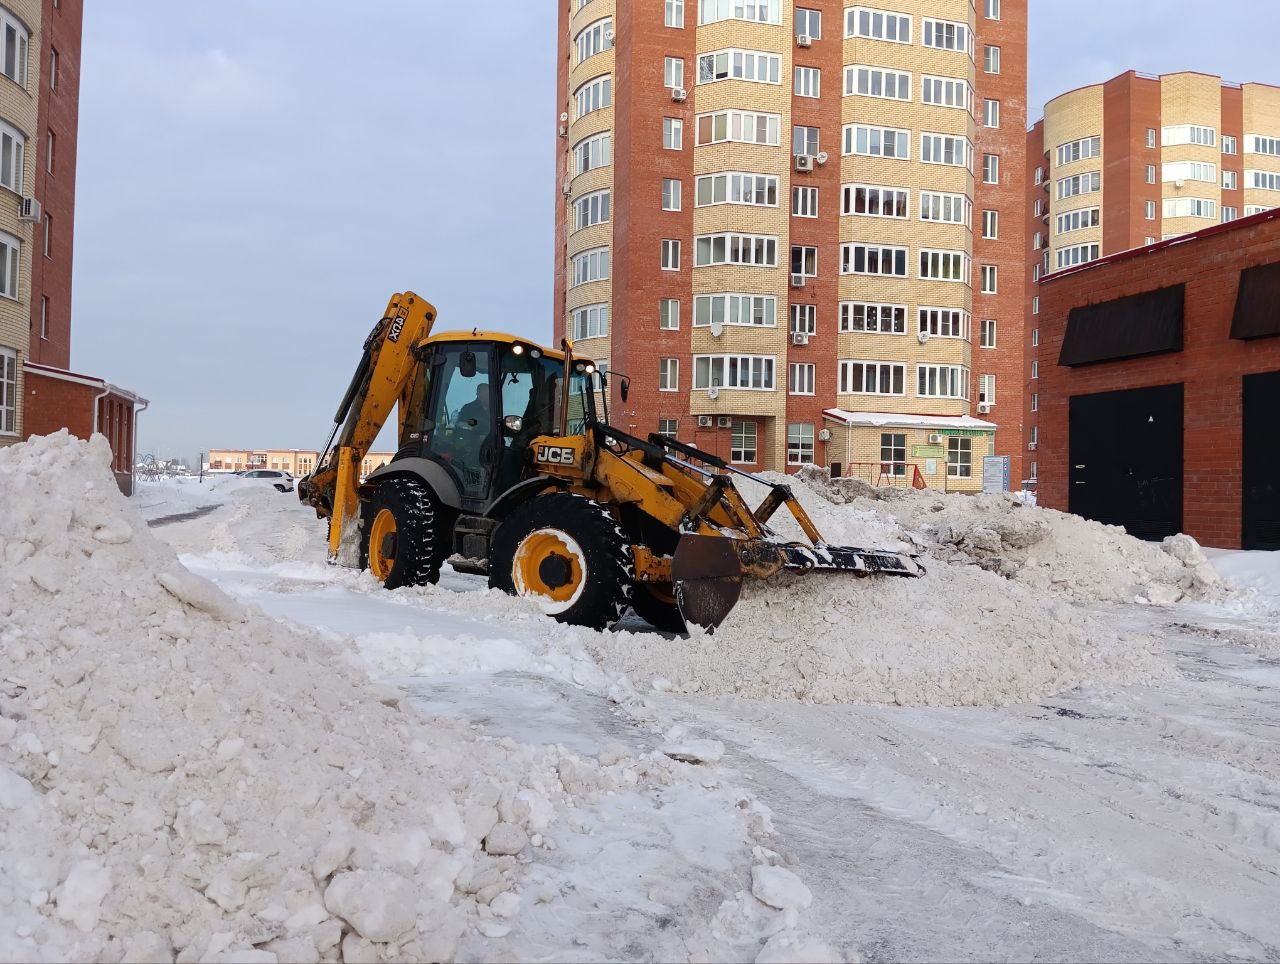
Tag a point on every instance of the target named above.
point(1159, 387)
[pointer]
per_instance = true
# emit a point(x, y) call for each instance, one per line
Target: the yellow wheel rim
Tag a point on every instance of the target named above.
point(382, 545)
point(548, 568)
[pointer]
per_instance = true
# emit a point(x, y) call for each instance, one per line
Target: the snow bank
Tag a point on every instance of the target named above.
point(180, 776)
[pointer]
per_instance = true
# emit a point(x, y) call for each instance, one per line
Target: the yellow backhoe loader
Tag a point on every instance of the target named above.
point(506, 463)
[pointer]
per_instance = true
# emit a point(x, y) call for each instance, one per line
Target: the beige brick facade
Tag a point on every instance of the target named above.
point(297, 462)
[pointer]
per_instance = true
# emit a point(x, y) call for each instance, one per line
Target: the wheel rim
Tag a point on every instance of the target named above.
point(382, 545)
point(549, 567)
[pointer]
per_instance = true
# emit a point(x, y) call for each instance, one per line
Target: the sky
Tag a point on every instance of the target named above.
point(257, 177)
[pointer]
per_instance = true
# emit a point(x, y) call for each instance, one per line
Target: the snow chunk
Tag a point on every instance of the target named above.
point(505, 839)
point(695, 751)
point(81, 894)
point(797, 947)
point(779, 887)
point(380, 905)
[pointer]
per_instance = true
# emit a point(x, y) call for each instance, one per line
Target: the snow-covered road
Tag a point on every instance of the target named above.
point(1135, 824)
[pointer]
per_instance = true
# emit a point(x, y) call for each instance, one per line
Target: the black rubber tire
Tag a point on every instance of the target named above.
point(658, 613)
point(609, 568)
point(420, 531)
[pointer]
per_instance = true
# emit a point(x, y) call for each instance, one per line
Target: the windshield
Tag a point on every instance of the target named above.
point(582, 407)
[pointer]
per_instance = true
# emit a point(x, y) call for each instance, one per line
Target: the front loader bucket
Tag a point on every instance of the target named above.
point(708, 570)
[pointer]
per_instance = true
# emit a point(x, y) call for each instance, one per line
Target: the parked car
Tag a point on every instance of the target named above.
point(282, 481)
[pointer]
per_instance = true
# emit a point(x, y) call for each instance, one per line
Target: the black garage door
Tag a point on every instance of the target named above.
point(1262, 461)
point(1126, 459)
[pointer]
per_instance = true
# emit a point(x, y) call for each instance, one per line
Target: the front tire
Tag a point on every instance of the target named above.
point(656, 605)
point(402, 536)
point(567, 554)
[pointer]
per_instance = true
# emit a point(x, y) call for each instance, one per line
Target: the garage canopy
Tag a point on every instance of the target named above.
point(1257, 303)
point(1131, 327)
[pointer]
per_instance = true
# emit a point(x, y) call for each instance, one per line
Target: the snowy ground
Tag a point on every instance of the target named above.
point(1133, 823)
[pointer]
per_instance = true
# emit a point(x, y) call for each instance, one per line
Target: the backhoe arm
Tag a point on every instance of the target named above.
point(385, 371)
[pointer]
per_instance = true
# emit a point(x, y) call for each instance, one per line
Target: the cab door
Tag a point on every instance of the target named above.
point(460, 431)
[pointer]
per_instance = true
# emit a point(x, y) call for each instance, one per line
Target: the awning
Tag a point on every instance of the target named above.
point(1257, 312)
point(1134, 326)
point(897, 420)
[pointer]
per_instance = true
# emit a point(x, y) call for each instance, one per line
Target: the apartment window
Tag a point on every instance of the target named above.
point(1039, 207)
point(44, 317)
point(53, 68)
point(808, 23)
point(1035, 305)
point(875, 202)
point(593, 152)
point(944, 323)
point(1078, 254)
point(990, 279)
point(946, 208)
point(748, 372)
point(1079, 184)
point(670, 194)
point(991, 168)
point(801, 379)
point(1035, 402)
point(592, 39)
point(987, 389)
point(757, 11)
point(12, 147)
point(1251, 209)
point(804, 202)
point(942, 381)
point(1035, 337)
point(946, 149)
point(800, 444)
point(991, 59)
point(668, 374)
point(993, 9)
point(1151, 174)
point(944, 266)
point(1036, 271)
point(947, 35)
point(1151, 210)
point(673, 72)
point(1035, 436)
point(808, 82)
point(804, 140)
point(1078, 220)
point(746, 127)
point(8, 391)
point(804, 319)
point(959, 457)
point(590, 266)
point(670, 255)
point(735, 64)
point(877, 141)
point(1229, 144)
point(742, 442)
point(1037, 241)
point(1190, 171)
point(872, 378)
point(48, 235)
point(988, 333)
point(669, 314)
point(991, 225)
point(49, 143)
point(735, 188)
point(873, 259)
point(1035, 369)
point(875, 318)
point(877, 25)
point(13, 61)
point(594, 95)
point(1151, 137)
point(759, 311)
point(1190, 207)
point(1229, 214)
point(877, 82)
point(893, 454)
point(589, 321)
point(1189, 134)
point(1230, 181)
point(591, 209)
point(757, 250)
point(1262, 180)
point(1256, 144)
point(991, 113)
point(804, 260)
point(668, 427)
point(674, 14)
point(946, 92)
point(673, 133)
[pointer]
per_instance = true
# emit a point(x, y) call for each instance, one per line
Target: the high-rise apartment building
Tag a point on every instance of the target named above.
point(1136, 160)
point(799, 226)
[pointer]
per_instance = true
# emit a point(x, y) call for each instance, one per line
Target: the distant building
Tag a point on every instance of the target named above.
point(296, 462)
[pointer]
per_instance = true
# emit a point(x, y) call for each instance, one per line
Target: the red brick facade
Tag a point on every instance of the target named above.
point(1210, 366)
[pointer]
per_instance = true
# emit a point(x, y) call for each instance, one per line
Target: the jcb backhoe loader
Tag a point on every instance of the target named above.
point(507, 463)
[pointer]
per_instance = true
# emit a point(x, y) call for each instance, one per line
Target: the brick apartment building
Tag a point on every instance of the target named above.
point(297, 462)
point(1133, 161)
point(1160, 387)
point(799, 226)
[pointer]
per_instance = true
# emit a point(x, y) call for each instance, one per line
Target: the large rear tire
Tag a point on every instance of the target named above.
point(403, 534)
point(567, 554)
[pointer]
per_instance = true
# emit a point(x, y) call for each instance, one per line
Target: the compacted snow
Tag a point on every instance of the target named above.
point(1060, 744)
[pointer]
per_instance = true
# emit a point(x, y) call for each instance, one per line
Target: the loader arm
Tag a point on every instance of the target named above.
point(381, 379)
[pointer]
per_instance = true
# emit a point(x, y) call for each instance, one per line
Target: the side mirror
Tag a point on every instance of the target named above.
point(624, 389)
point(513, 424)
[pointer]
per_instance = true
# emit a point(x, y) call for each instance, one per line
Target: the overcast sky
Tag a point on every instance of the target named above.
point(256, 177)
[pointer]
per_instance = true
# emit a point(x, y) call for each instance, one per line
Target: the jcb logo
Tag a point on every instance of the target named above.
point(555, 455)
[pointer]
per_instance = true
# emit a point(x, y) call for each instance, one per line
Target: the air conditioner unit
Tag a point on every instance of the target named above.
point(935, 439)
point(705, 421)
point(564, 130)
point(799, 338)
point(804, 40)
point(824, 435)
point(924, 337)
point(724, 421)
point(822, 157)
point(565, 188)
point(717, 329)
point(804, 162)
point(797, 281)
point(679, 95)
point(28, 209)
point(984, 408)
point(713, 393)
point(1031, 446)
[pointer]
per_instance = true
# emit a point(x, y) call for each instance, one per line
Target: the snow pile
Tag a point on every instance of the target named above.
point(182, 777)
